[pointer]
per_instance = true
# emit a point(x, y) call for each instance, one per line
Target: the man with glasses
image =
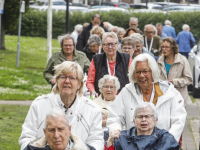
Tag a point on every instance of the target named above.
point(151, 41)
point(133, 23)
point(145, 135)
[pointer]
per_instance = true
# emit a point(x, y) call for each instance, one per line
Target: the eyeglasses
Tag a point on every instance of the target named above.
point(68, 45)
point(107, 87)
point(165, 47)
point(140, 117)
point(64, 78)
point(150, 32)
point(143, 72)
point(108, 44)
point(133, 24)
point(127, 48)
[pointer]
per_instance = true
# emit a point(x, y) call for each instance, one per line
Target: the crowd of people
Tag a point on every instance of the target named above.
point(137, 82)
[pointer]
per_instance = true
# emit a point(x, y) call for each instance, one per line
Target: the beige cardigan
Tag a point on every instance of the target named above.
point(179, 72)
point(103, 104)
point(78, 144)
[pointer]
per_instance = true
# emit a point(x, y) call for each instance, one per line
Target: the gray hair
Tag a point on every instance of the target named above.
point(94, 39)
point(138, 38)
point(134, 19)
point(69, 67)
point(109, 78)
point(65, 37)
point(185, 27)
point(151, 63)
point(78, 27)
point(55, 113)
point(145, 27)
point(109, 34)
point(121, 30)
point(167, 22)
point(144, 105)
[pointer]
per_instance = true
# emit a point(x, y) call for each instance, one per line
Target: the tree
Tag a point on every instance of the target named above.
point(10, 17)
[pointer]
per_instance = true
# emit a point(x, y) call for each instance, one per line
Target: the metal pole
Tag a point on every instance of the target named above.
point(0, 31)
point(49, 30)
point(19, 34)
point(99, 7)
point(147, 4)
point(67, 16)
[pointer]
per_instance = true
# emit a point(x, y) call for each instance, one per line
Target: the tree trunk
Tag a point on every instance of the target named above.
point(2, 36)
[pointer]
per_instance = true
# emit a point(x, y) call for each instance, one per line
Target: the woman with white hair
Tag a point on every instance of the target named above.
point(67, 53)
point(67, 94)
point(144, 135)
point(77, 30)
point(110, 62)
point(93, 47)
point(185, 40)
point(139, 44)
point(145, 86)
point(108, 86)
point(120, 34)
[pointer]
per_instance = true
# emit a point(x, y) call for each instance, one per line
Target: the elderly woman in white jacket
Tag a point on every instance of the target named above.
point(83, 114)
point(145, 86)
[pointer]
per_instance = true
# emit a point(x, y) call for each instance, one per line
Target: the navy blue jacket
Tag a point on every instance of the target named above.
point(159, 140)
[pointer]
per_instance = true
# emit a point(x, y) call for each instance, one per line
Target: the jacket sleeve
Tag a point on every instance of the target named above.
point(192, 38)
point(86, 64)
point(174, 33)
point(91, 76)
point(116, 113)
point(177, 39)
point(29, 128)
point(95, 136)
point(48, 72)
point(186, 76)
point(177, 115)
point(167, 141)
point(80, 42)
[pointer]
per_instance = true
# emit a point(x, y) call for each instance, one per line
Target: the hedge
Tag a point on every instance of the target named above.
point(34, 23)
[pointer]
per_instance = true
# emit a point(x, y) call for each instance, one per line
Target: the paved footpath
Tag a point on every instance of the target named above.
point(191, 130)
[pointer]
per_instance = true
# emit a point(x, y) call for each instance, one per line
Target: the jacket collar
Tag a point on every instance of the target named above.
point(75, 54)
point(165, 86)
point(132, 132)
point(177, 59)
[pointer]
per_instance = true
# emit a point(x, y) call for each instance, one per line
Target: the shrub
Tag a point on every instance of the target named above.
point(34, 23)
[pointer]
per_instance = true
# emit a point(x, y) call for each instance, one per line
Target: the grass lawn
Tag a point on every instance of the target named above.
point(25, 82)
point(11, 119)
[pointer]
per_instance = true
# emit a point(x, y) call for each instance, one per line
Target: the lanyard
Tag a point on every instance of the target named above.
point(109, 68)
point(99, 50)
point(148, 49)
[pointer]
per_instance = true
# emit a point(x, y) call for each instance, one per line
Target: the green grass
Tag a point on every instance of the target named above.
point(11, 119)
point(25, 82)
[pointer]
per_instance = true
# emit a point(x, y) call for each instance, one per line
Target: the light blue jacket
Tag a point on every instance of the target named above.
point(170, 31)
point(183, 40)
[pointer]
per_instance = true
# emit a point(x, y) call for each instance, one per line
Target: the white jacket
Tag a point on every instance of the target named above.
point(87, 125)
point(170, 108)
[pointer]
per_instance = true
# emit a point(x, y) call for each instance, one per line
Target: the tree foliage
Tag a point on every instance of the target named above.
point(10, 17)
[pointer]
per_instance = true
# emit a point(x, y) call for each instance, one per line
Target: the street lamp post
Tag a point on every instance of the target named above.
point(22, 10)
